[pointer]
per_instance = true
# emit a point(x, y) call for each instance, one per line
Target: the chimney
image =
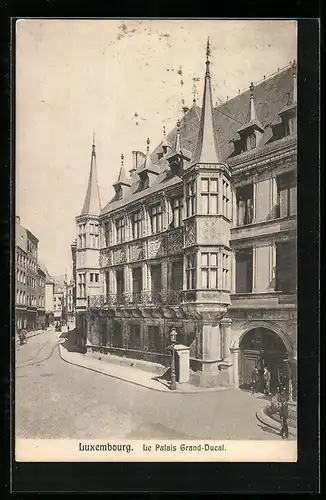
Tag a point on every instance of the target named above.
point(17, 219)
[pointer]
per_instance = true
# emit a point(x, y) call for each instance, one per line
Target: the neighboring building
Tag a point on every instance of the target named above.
point(40, 319)
point(58, 301)
point(27, 279)
point(49, 300)
point(200, 237)
point(70, 303)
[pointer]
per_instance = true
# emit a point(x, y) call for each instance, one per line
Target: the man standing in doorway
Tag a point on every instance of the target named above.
point(255, 380)
point(267, 381)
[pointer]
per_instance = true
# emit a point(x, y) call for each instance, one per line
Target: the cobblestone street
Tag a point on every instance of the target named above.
point(58, 400)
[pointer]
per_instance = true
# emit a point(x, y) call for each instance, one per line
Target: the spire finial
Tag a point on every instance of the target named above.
point(208, 50)
point(93, 144)
point(252, 109)
point(164, 131)
point(148, 143)
point(178, 125)
point(122, 158)
point(194, 88)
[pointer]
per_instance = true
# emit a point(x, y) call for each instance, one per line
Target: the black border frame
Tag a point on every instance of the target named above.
point(204, 478)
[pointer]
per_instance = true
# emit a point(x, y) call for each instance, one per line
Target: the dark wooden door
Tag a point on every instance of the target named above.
point(249, 359)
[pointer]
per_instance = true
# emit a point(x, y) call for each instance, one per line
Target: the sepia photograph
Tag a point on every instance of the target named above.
point(156, 240)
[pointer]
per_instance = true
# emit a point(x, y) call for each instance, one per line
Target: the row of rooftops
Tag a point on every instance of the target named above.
point(206, 135)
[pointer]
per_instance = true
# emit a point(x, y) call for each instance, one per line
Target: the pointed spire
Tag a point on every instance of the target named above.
point(207, 148)
point(148, 166)
point(92, 203)
point(177, 147)
point(122, 177)
point(252, 110)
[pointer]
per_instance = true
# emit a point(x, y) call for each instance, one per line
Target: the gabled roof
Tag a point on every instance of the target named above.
point(271, 95)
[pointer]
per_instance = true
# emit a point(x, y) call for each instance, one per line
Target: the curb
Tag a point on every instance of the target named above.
point(272, 424)
point(157, 389)
point(34, 334)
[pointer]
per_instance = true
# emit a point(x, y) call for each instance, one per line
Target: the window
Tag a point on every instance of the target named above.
point(286, 263)
point(120, 283)
point(81, 285)
point(251, 141)
point(120, 227)
point(156, 278)
point(243, 270)
point(209, 194)
point(245, 205)
point(289, 125)
point(156, 217)
point(136, 222)
point(287, 195)
point(176, 275)
point(190, 198)
point(96, 278)
point(107, 234)
point(134, 337)
point(91, 277)
point(93, 235)
point(191, 271)
point(154, 338)
point(177, 205)
point(82, 236)
point(137, 283)
point(209, 275)
point(225, 272)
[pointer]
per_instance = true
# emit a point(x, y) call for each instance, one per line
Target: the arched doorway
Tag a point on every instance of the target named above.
point(261, 347)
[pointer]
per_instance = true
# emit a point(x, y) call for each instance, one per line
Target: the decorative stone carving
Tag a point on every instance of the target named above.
point(176, 241)
point(105, 258)
point(209, 229)
point(156, 247)
point(272, 314)
point(119, 255)
point(137, 251)
point(190, 230)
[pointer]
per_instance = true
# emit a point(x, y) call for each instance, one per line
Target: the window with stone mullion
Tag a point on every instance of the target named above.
point(209, 270)
point(209, 195)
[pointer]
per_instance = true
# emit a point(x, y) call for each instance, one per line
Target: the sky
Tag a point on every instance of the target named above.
point(124, 79)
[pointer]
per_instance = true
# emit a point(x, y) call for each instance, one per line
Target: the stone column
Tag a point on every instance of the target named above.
point(234, 208)
point(254, 269)
point(233, 272)
point(273, 195)
point(220, 269)
point(226, 328)
point(145, 276)
point(164, 267)
point(255, 198)
point(272, 266)
point(219, 195)
point(235, 363)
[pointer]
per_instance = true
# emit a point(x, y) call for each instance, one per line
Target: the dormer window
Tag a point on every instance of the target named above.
point(289, 125)
point(251, 141)
point(144, 182)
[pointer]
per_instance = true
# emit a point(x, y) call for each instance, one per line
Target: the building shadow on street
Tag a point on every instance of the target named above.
point(70, 342)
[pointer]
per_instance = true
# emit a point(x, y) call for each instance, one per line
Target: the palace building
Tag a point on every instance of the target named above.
point(200, 236)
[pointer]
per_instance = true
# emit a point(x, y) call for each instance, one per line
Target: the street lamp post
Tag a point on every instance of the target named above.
point(173, 336)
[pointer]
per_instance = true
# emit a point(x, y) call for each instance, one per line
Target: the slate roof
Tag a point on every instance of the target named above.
point(271, 96)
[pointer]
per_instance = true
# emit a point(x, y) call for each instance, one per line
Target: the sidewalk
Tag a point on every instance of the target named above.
point(129, 374)
point(35, 332)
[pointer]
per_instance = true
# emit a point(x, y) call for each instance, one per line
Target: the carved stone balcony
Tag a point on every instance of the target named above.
point(96, 301)
point(145, 298)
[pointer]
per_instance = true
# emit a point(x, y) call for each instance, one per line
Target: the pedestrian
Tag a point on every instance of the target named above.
point(284, 414)
point(255, 380)
point(267, 381)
